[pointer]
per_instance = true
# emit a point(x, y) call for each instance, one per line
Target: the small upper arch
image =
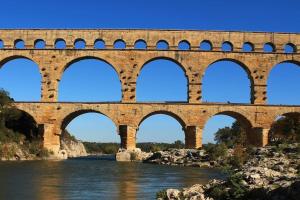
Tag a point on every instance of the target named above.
point(184, 45)
point(119, 44)
point(79, 43)
point(162, 45)
point(60, 43)
point(19, 44)
point(227, 46)
point(206, 45)
point(290, 48)
point(140, 44)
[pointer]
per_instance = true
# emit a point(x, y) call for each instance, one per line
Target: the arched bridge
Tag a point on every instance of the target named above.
point(128, 60)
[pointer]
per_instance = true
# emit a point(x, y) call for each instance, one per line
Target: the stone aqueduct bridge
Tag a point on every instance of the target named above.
point(53, 116)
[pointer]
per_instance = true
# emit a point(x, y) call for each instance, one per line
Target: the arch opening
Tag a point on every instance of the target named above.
point(229, 128)
point(184, 45)
point(248, 47)
point(60, 44)
point(90, 80)
point(99, 44)
point(21, 78)
point(119, 44)
point(290, 48)
point(285, 129)
point(162, 80)
point(39, 44)
point(140, 44)
point(96, 130)
point(227, 81)
point(227, 46)
point(269, 47)
point(1, 44)
point(159, 131)
point(79, 43)
point(162, 45)
point(205, 45)
point(19, 44)
point(283, 82)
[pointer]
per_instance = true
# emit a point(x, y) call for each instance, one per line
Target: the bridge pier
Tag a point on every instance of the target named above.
point(51, 138)
point(193, 137)
point(128, 137)
point(258, 136)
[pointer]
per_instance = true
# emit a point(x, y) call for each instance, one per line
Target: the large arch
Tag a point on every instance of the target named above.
point(28, 78)
point(166, 80)
point(283, 83)
point(216, 74)
point(110, 124)
point(88, 71)
point(227, 118)
point(151, 121)
point(286, 126)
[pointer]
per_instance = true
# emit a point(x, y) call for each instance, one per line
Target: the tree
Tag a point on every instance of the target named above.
point(231, 135)
point(286, 129)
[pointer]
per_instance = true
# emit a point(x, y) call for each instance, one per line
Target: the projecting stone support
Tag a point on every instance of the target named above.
point(193, 137)
point(128, 137)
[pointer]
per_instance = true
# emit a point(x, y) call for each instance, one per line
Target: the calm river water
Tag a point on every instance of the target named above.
point(93, 179)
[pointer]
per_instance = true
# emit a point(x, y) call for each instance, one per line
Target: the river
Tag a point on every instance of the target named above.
point(93, 179)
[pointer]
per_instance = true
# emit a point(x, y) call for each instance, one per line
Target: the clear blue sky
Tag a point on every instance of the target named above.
point(223, 81)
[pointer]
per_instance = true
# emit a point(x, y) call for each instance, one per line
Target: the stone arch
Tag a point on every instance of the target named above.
point(272, 67)
point(244, 121)
point(240, 64)
point(163, 58)
point(164, 112)
point(292, 115)
point(69, 63)
point(29, 124)
point(72, 115)
point(169, 59)
point(178, 125)
point(5, 60)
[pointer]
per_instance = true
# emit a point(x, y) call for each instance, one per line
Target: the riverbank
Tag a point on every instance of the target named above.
point(271, 172)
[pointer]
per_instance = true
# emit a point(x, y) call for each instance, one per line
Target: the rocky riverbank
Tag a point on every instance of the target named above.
point(269, 173)
point(183, 157)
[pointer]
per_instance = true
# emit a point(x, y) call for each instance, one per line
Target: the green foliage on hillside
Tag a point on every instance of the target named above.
point(18, 130)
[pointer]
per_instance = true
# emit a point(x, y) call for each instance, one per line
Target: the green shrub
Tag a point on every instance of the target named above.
point(240, 156)
point(162, 194)
point(216, 151)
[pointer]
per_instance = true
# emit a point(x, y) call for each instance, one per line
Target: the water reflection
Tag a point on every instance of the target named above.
point(48, 179)
point(93, 179)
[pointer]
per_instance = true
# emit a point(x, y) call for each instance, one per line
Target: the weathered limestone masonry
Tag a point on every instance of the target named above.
point(53, 116)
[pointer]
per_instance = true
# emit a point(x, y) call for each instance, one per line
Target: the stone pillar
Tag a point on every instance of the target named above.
point(49, 87)
point(259, 94)
point(51, 138)
point(258, 136)
point(128, 137)
point(193, 137)
point(128, 92)
point(194, 93)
